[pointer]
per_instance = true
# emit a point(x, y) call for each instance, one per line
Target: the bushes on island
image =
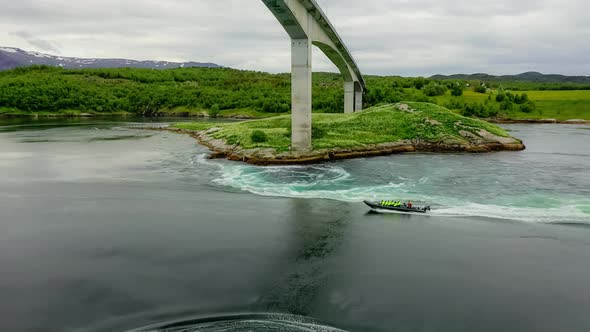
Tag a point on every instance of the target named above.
point(258, 136)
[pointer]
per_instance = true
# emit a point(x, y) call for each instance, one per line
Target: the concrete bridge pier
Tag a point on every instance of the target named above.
point(358, 97)
point(349, 106)
point(307, 25)
point(301, 81)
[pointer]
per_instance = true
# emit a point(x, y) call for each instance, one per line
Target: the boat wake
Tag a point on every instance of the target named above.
point(329, 181)
point(243, 322)
point(566, 214)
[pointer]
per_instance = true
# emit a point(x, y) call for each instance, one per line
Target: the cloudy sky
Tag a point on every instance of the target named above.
point(386, 37)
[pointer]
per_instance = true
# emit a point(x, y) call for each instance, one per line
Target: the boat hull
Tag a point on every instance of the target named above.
point(378, 206)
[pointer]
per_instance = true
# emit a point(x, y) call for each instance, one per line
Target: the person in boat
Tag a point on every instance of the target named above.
point(410, 205)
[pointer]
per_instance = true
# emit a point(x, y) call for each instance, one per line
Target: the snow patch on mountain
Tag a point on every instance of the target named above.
point(14, 57)
point(9, 49)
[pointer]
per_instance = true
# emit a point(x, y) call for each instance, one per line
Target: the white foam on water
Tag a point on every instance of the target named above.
point(334, 182)
point(565, 214)
point(243, 322)
point(328, 182)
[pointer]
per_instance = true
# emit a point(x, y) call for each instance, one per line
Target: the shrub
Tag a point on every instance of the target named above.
point(480, 110)
point(258, 136)
point(492, 110)
point(467, 111)
point(506, 105)
point(455, 104)
point(522, 99)
point(420, 82)
point(433, 90)
point(457, 90)
point(528, 107)
point(481, 89)
point(214, 111)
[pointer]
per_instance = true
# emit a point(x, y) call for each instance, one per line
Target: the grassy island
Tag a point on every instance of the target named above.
point(380, 130)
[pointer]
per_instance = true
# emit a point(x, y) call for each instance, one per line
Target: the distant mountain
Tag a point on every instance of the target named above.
point(15, 57)
point(524, 77)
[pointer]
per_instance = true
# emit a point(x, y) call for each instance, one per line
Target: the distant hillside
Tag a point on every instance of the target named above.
point(47, 90)
point(15, 57)
point(524, 77)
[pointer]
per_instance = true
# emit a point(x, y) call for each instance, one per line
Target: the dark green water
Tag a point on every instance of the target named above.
point(106, 228)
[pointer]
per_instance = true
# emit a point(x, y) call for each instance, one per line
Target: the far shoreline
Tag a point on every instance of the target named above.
point(247, 117)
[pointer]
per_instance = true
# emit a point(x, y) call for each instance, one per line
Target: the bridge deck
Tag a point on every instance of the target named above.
point(317, 12)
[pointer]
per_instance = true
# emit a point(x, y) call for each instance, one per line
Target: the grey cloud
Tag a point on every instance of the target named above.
point(397, 37)
point(39, 43)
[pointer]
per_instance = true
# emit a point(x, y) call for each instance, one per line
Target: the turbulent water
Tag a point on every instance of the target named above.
point(107, 226)
point(550, 183)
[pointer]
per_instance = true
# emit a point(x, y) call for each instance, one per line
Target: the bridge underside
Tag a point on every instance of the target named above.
point(307, 25)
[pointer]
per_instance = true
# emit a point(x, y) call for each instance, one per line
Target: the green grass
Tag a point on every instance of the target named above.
point(560, 105)
point(380, 124)
point(246, 113)
point(469, 96)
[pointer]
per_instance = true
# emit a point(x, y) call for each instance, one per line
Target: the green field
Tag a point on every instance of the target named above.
point(560, 105)
point(380, 124)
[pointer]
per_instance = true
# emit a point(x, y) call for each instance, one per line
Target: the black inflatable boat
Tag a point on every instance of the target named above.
point(397, 206)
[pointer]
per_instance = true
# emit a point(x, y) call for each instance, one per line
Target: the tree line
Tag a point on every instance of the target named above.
point(147, 92)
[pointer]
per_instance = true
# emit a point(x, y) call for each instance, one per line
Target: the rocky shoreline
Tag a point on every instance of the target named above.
point(484, 142)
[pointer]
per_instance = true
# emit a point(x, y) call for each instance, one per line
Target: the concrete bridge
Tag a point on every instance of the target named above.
point(307, 25)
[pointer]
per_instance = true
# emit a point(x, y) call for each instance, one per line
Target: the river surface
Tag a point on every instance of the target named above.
point(104, 227)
